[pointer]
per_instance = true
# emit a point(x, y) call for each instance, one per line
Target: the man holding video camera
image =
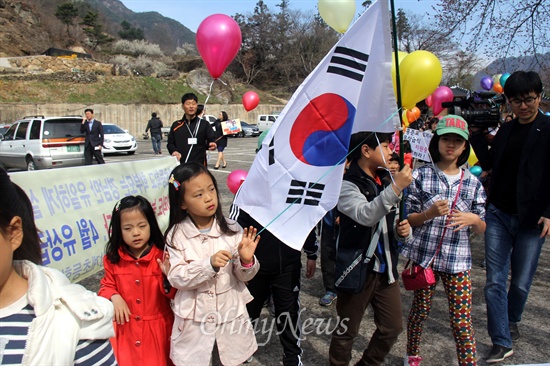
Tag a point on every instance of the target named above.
point(518, 211)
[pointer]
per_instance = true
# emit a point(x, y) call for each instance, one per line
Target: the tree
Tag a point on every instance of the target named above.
point(66, 13)
point(94, 30)
point(500, 28)
point(130, 33)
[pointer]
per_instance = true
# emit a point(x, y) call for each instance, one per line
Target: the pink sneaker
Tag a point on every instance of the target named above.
point(412, 360)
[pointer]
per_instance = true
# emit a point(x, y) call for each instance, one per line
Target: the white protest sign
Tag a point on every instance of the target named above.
point(419, 140)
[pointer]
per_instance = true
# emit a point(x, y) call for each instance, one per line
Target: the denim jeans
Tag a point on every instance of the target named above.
point(155, 139)
point(508, 246)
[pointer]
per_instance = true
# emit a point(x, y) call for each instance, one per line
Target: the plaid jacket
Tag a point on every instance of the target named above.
point(427, 187)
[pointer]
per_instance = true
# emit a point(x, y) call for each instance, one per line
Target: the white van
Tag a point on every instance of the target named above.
point(38, 142)
point(265, 121)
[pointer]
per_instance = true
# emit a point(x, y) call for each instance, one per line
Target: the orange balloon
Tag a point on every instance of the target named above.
point(416, 112)
point(413, 114)
point(498, 88)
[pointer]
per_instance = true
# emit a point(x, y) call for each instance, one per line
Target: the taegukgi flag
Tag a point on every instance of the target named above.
point(296, 176)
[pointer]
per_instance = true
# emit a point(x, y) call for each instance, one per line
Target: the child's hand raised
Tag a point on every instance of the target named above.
point(165, 264)
point(402, 179)
point(220, 259)
point(248, 245)
point(122, 311)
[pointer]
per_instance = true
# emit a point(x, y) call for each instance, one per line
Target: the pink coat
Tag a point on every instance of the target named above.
point(209, 306)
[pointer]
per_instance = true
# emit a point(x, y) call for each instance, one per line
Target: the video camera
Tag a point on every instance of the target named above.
point(480, 109)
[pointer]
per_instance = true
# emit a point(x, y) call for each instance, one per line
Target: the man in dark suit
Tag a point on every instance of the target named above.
point(94, 138)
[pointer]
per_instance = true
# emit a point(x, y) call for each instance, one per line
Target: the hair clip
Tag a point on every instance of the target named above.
point(117, 205)
point(173, 181)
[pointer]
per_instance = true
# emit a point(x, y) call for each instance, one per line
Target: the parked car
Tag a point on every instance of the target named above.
point(3, 129)
point(117, 140)
point(248, 130)
point(265, 121)
point(38, 142)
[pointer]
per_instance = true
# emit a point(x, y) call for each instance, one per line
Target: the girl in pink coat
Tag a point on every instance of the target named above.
point(210, 260)
point(135, 283)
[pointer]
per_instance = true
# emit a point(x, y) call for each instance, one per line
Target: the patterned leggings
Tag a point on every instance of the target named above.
point(458, 288)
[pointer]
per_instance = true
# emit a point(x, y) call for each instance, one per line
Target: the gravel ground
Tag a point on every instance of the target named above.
point(438, 346)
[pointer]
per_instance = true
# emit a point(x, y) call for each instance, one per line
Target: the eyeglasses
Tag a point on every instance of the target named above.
point(529, 101)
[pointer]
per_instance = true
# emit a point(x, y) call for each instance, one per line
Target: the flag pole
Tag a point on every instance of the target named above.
point(398, 95)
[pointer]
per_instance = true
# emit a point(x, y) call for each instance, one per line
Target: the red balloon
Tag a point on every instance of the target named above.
point(250, 100)
point(235, 179)
point(440, 95)
point(218, 42)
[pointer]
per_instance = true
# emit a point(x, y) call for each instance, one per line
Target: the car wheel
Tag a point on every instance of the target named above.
point(131, 152)
point(30, 164)
point(243, 134)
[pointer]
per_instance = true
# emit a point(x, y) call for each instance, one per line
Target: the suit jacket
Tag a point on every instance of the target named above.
point(95, 136)
point(533, 195)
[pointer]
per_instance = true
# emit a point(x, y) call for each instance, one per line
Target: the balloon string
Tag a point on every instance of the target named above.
point(209, 92)
point(326, 173)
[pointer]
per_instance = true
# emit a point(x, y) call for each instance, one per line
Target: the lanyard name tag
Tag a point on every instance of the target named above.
point(192, 141)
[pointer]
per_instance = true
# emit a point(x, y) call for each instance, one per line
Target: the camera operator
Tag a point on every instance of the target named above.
point(518, 211)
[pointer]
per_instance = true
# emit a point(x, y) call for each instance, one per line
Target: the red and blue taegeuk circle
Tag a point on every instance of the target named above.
point(321, 132)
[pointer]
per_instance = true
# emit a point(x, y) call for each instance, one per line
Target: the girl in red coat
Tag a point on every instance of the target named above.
point(135, 283)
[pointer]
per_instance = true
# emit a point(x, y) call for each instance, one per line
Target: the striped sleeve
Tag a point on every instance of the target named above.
point(94, 352)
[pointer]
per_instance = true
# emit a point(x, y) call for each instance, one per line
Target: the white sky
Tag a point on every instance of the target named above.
point(191, 13)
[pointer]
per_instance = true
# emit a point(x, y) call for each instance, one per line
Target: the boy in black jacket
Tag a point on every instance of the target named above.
point(279, 275)
point(367, 204)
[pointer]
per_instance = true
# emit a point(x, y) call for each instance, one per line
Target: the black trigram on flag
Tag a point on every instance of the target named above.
point(305, 193)
point(271, 152)
point(349, 63)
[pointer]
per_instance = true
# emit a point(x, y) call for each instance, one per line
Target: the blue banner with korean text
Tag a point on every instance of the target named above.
point(72, 207)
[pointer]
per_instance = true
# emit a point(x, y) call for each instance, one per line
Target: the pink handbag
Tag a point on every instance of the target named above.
point(417, 277)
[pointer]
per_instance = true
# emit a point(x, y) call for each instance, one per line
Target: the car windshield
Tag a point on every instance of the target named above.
point(244, 124)
point(111, 129)
point(56, 128)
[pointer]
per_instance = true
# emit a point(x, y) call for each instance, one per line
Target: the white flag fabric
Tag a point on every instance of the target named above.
point(296, 176)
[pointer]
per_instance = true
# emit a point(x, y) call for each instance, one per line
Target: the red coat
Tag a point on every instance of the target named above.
point(145, 339)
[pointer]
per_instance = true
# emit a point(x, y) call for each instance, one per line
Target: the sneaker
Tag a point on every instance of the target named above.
point(514, 331)
point(499, 353)
point(327, 299)
point(412, 360)
point(249, 360)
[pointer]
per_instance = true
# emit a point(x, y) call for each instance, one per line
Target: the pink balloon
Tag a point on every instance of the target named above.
point(250, 100)
point(429, 101)
point(440, 95)
point(235, 179)
point(218, 42)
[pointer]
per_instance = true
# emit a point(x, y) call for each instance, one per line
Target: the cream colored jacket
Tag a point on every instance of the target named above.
point(65, 313)
point(205, 295)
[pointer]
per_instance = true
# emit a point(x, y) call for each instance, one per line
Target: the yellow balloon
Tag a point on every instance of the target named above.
point(472, 159)
point(400, 56)
point(338, 14)
point(420, 74)
point(496, 78)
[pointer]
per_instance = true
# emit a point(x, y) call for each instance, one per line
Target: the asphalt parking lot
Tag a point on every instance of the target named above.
point(437, 346)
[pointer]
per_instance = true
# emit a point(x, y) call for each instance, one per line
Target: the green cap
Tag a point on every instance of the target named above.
point(453, 124)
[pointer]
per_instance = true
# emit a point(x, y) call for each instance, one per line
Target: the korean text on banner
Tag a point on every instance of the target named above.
point(72, 208)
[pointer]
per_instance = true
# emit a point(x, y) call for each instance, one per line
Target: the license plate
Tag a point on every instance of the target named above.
point(73, 148)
